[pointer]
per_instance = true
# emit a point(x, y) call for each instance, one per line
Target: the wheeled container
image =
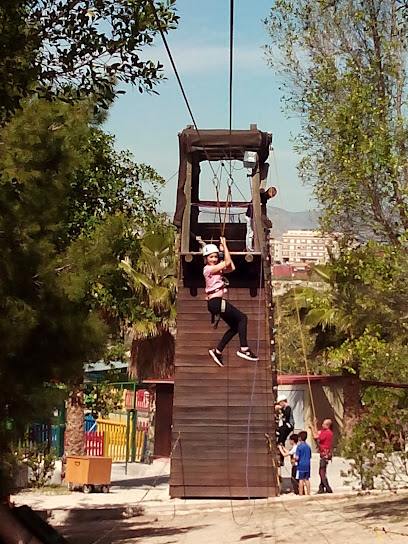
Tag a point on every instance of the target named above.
point(88, 472)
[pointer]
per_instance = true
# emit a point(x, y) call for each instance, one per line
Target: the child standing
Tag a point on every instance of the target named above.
point(293, 439)
point(218, 306)
point(303, 456)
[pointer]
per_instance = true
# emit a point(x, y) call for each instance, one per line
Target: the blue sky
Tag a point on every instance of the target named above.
point(148, 125)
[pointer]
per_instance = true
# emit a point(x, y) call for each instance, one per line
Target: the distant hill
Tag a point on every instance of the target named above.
point(283, 220)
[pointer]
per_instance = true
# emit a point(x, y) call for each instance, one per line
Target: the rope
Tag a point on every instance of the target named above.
point(112, 529)
point(251, 511)
point(254, 379)
point(252, 397)
point(173, 64)
point(312, 525)
point(279, 335)
point(302, 337)
point(301, 334)
point(233, 181)
point(231, 52)
point(226, 211)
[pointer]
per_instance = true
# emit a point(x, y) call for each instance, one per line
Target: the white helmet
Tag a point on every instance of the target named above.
point(209, 248)
point(281, 398)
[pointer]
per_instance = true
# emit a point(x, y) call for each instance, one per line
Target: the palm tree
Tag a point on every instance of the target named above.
point(154, 283)
point(329, 313)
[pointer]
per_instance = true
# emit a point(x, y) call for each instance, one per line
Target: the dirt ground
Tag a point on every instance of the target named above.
point(332, 520)
point(138, 509)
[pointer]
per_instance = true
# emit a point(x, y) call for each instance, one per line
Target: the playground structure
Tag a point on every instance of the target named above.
point(221, 415)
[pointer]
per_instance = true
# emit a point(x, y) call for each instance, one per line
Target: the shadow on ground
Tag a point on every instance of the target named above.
point(387, 511)
point(286, 486)
point(116, 525)
point(140, 482)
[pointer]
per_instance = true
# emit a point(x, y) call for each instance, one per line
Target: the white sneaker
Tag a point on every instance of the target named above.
point(217, 357)
point(248, 355)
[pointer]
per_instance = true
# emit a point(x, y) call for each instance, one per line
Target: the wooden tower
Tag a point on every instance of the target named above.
point(221, 415)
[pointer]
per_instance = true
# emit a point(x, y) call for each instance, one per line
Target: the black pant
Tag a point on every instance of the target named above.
point(324, 482)
point(295, 483)
point(236, 320)
point(282, 433)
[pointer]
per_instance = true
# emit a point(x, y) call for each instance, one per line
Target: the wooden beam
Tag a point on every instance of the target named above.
point(185, 229)
point(256, 201)
point(221, 203)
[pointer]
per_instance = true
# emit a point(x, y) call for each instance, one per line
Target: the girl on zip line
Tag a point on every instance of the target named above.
point(215, 289)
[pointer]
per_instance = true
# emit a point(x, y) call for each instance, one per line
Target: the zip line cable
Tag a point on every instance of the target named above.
point(231, 59)
point(215, 175)
point(173, 64)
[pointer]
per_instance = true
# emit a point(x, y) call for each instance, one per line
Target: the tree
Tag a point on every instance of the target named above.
point(111, 183)
point(377, 446)
point(343, 65)
point(361, 320)
point(294, 340)
point(82, 47)
point(50, 320)
point(153, 281)
point(63, 51)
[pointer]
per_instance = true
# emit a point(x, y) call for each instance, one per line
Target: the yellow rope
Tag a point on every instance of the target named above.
point(279, 335)
point(296, 303)
point(302, 337)
point(227, 202)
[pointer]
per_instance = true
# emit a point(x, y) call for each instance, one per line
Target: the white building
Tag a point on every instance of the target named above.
point(276, 250)
point(301, 246)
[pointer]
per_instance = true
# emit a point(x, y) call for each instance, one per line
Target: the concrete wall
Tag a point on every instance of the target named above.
point(328, 403)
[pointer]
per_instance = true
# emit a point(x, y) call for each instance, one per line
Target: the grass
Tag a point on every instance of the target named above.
point(52, 489)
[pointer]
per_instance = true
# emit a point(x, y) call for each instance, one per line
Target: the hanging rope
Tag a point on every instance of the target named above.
point(302, 337)
point(231, 52)
point(226, 210)
point(279, 334)
point(173, 64)
point(301, 334)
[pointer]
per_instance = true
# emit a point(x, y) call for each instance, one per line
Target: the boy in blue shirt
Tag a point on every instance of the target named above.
point(303, 456)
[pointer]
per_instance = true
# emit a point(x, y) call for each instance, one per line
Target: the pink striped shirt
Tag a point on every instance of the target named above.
point(214, 284)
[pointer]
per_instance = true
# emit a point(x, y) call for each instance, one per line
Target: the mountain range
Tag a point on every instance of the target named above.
point(283, 220)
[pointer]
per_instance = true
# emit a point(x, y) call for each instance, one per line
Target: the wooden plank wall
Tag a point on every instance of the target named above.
point(212, 405)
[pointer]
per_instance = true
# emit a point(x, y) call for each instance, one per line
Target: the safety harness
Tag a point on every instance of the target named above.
point(215, 322)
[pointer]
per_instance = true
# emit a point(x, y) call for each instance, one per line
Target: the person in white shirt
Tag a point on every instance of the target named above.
point(293, 439)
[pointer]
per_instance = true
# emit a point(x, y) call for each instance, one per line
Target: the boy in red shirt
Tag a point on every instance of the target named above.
point(324, 439)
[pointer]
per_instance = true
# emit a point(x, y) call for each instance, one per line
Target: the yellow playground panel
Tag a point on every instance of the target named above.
point(115, 434)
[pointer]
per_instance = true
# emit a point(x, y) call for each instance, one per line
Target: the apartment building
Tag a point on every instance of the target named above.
point(301, 246)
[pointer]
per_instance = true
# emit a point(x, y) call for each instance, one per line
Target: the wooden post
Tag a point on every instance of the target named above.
point(256, 202)
point(127, 439)
point(270, 325)
point(185, 229)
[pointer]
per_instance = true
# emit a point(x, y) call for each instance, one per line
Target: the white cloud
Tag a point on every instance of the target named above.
point(207, 58)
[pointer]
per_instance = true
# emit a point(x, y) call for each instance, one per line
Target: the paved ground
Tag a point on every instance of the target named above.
point(134, 511)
